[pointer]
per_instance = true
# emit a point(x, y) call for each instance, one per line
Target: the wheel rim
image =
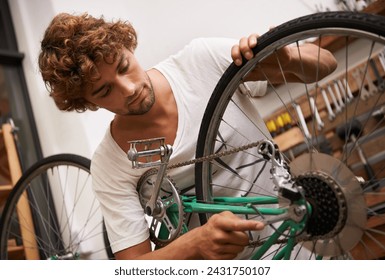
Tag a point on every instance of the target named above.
point(366, 239)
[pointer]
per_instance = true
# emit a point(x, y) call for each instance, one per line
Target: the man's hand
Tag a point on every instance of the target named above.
point(224, 236)
point(244, 48)
point(303, 63)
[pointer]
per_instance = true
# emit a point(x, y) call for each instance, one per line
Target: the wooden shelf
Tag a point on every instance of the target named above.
point(11, 166)
point(289, 139)
point(15, 252)
point(4, 192)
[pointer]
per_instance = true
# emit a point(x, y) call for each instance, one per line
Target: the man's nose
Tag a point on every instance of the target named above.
point(126, 88)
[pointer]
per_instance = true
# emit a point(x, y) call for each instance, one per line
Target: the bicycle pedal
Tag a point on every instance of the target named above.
point(149, 152)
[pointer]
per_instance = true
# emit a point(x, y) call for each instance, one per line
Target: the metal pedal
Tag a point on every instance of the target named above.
point(146, 153)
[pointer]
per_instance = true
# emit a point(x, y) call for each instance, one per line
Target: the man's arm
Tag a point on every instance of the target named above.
point(222, 237)
point(307, 63)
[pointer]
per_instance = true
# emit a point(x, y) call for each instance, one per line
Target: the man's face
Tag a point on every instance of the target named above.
point(124, 88)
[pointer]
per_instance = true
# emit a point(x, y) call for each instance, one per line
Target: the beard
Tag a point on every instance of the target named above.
point(146, 104)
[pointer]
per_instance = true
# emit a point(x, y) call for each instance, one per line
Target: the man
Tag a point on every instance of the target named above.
point(88, 63)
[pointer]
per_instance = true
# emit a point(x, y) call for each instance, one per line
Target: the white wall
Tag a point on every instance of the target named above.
point(163, 28)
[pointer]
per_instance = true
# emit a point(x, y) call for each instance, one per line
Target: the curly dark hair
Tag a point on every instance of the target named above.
point(70, 49)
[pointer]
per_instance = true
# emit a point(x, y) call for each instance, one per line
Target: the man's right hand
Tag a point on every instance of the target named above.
point(224, 236)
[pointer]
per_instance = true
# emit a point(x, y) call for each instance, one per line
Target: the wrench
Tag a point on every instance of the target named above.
point(339, 97)
point(335, 103)
point(365, 94)
point(346, 93)
point(371, 86)
point(331, 114)
point(320, 123)
point(381, 57)
point(302, 121)
point(380, 80)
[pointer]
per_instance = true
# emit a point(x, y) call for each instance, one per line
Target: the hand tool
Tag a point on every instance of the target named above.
point(334, 99)
point(331, 114)
point(338, 93)
point(347, 94)
point(372, 88)
point(314, 110)
point(380, 80)
point(302, 121)
point(364, 93)
point(351, 131)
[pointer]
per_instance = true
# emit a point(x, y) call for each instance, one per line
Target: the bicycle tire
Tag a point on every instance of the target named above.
point(66, 220)
point(366, 29)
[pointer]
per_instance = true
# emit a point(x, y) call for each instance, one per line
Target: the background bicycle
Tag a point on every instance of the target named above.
point(51, 212)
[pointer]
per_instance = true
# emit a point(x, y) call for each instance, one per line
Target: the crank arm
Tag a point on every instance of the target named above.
point(164, 152)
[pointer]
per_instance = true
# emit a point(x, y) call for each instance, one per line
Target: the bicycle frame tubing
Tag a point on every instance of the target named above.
point(247, 206)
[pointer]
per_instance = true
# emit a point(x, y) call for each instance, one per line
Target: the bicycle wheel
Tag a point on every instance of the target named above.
point(334, 141)
point(52, 213)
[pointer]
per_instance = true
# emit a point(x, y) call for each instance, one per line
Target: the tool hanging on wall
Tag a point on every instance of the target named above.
point(345, 89)
point(381, 58)
point(302, 121)
point(287, 120)
point(379, 114)
point(337, 107)
point(280, 124)
point(351, 131)
point(272, 128)
point(331, 114)
point(380, 80)
point(338, 93)
point(314, 110)
point(372, 88)
point(363, 92)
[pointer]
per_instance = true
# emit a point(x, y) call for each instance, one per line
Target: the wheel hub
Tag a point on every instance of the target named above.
point(339, 210)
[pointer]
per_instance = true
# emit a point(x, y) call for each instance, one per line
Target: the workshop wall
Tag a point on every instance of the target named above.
point(163, 28)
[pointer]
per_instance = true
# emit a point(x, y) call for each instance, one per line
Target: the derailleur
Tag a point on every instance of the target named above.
point(280, 171)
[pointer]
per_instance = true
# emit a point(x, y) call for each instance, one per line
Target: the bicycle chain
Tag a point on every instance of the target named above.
point(215, 156)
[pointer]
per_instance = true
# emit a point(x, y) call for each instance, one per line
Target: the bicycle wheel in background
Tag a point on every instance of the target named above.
point(334, 140)
point(52, 213)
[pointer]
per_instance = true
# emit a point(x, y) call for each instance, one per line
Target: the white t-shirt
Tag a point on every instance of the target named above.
point(193, 74)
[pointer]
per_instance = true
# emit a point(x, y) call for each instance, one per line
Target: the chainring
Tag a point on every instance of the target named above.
point(168, 197)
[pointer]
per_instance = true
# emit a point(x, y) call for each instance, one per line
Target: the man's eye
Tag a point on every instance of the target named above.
point(106, 91)
point(123, 69)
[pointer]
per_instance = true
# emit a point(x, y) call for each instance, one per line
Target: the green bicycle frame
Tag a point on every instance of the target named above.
point(246, 206)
